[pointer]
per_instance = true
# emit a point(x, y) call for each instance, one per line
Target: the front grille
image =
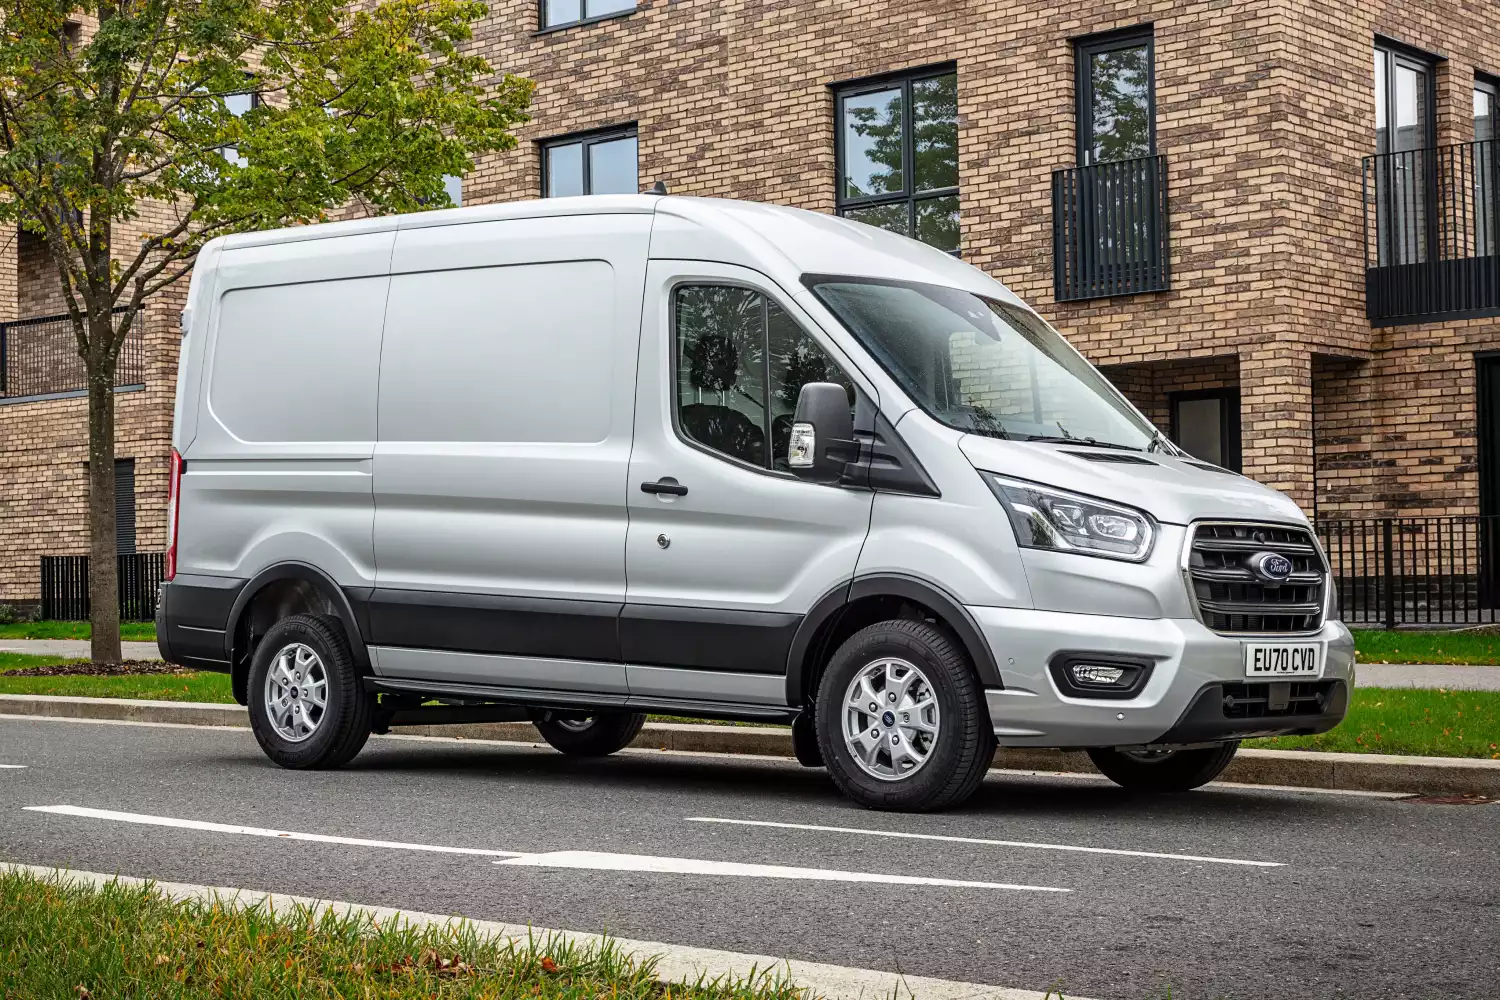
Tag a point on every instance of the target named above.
point(1276, 700)
point(1233, 598)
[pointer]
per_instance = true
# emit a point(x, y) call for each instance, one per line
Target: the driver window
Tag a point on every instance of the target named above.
point(741, 363)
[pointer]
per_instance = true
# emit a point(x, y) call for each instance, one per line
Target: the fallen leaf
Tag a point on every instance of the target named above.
point(548, 965)
point(162, 960)
point(83, 993)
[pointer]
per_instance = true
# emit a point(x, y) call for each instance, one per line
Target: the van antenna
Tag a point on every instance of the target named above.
point(660, 187)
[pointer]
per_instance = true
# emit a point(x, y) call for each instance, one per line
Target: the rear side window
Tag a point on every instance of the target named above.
point(522, 353)
point(741, 363)
point(299, 362)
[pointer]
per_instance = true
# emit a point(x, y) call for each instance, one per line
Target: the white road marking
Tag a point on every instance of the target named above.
point(599, 861)
point(675, 963)
point(254, 831)
point(987, 842)
point(12, 767)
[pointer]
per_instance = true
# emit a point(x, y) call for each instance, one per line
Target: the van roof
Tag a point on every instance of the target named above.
point(783, 242)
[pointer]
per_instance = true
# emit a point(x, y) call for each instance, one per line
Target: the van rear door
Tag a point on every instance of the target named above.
point(507, 378)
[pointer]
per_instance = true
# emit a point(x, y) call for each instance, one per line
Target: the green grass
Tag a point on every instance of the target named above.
point(59, 939)
point(202, 687)
point(1427, 647)
point(1409, 721)
point(129, 631)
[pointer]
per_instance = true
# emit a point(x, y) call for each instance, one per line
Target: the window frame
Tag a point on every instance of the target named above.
point(591, 137)
point(908, 194)
point(583, 6)
point(1229, 422)
point(1484, 83)
point(1084, 49)
point(1397, 53)
point(674, 362)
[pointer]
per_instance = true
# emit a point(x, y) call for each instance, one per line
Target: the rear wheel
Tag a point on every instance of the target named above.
point(901, 719)
point(1163, 770)
point(308, 705)
point(589, 734)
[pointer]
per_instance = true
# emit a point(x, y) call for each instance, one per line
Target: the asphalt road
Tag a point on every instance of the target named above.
point(1372, 898)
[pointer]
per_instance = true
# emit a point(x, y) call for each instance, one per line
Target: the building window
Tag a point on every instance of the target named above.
point(453, 184)
point(124, 505)
point(1486, 166)
point(1116, 96)
point(596, 163)
point(561, 13)
point(741, 364)
point(1404, 169)
point(897, 151)
point(1206, 424)
point(239, 105)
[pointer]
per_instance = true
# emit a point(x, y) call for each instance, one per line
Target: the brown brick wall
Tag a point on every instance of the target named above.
point(1264, 111)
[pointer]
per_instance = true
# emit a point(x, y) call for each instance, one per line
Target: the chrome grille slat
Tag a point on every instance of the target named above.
point(1232, 599)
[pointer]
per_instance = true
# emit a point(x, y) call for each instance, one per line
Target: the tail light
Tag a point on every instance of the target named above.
point(174, 501)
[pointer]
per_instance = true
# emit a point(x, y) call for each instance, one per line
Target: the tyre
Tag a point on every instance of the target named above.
point(589, 734)
point(901, 719)
point(308, 705)
point(1163, 770)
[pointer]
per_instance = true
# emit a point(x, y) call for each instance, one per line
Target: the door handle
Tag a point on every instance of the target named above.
point(666, 485)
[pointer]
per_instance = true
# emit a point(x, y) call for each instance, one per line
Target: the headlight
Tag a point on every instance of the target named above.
point(1046, 518)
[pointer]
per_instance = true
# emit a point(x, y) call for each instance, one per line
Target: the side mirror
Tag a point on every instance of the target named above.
point(822, 440)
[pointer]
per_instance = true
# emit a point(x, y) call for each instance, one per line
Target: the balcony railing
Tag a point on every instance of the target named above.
point(1109, 229)
point(1432, 219)
point(39, 357)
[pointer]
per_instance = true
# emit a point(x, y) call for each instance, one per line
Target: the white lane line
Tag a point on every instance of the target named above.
point(598, 861)
point(254, 831)
point(981, 840)
point(12, 767)
point(675, 963)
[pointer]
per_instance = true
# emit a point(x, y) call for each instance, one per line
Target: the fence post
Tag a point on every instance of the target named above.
point(1390, 573)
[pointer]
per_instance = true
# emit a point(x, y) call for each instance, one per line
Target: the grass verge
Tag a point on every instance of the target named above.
point(129, 631)
point(61, 939)
point(1413, 721)
point(204, 686)
point(1481, 648)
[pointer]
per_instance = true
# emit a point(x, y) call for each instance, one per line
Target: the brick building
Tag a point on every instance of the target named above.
point(1274, 225)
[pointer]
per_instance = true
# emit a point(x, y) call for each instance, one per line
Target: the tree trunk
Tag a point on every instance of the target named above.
point(104, 583)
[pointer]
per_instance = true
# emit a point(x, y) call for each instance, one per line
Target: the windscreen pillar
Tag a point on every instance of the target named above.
point(1276, 419)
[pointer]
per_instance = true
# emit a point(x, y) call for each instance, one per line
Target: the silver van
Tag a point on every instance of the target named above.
point(578, 460)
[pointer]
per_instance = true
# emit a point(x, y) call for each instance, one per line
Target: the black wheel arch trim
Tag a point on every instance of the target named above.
point(910, 588)
point(336, 594)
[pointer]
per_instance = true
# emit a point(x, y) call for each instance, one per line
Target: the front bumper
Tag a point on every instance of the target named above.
point(1182, 701)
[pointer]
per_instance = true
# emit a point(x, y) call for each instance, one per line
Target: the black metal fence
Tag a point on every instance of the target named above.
point(1432, 222)
point(39, 357)
point(65, 586)
point(1415, 570)
point(1109, 229)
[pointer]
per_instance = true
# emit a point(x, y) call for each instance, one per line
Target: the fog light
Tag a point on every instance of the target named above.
point(1097, 674)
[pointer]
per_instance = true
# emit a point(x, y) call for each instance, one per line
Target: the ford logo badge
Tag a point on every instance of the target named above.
point(1271, 567)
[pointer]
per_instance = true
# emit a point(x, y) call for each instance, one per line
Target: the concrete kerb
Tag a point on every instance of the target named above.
point(1292, 768)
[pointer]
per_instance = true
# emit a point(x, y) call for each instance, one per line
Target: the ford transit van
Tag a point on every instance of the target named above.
point(578, 460)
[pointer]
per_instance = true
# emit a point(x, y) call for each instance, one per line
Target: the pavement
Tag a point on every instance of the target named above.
point(1428, 675)
point(1230, 892)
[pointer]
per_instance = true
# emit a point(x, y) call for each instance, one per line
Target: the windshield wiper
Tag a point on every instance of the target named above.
point(1087, 442)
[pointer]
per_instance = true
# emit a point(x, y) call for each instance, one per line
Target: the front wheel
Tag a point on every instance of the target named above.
point(589, 734)
point(901, 719)
point(1163, 770)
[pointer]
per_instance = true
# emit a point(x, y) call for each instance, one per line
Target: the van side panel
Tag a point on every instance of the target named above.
point(506, 403)
point(281, 467)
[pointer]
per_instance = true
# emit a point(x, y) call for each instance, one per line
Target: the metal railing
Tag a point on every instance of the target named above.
point(65, 586)
point(1432, 225)
point(1394, 571)
point(39, 357)
point(1109, 229)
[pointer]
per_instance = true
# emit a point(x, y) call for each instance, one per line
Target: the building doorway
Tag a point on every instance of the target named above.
point(1206, 423)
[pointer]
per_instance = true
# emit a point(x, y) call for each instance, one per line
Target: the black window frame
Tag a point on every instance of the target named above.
point(908, 194)
point(1084, 49)
point(1484, 82)
point(675, 363)
point(544, 28)
point(591, 137)
point(1398, 52)
point(1229, 422)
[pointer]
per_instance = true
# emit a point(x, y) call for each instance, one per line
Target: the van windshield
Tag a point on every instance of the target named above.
point(982, 366)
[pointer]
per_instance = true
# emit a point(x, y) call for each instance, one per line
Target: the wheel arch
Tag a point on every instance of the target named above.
point(851, 606)
point(276, 593)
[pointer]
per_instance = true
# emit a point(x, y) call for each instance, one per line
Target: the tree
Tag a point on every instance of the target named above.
point(104, 131)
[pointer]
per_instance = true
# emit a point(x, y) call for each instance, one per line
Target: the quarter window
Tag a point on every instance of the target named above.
point(898, 155)
point(1116, 97)
point(741, 363)
point(597, 163)
point(561, 13)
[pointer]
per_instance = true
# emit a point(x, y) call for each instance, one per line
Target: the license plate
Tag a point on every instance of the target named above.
point(1283, 659)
